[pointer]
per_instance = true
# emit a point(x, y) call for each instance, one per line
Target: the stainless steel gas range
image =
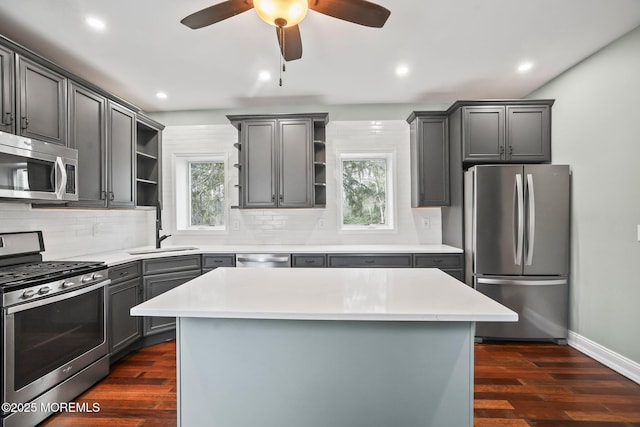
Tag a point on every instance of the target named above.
point(54, 333)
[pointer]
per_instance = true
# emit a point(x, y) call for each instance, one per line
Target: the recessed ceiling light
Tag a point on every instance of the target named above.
point(95, 23)
point(402, 70)
point(264, 76)
point(525, 66)
point(161, 95)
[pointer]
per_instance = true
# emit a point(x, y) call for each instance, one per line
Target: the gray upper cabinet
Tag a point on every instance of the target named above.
point(278, 160)
point(121, 128)
point(509, 132)
point(87, 134)
point(429, 139)
point(7, 114)
point(41, 102)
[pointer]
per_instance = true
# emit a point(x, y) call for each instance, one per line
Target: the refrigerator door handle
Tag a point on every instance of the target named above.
point(520, 282)
point(518, 237)
point(531, 233)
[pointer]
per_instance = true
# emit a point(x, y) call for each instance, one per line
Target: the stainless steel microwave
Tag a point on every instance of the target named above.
point(37, 171)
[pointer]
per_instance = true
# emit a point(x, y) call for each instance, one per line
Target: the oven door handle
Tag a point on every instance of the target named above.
point(56, 298)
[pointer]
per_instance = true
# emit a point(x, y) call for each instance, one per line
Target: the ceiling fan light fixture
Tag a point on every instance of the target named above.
point(275, 12)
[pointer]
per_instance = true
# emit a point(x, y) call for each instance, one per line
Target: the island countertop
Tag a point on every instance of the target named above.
point(366, 294)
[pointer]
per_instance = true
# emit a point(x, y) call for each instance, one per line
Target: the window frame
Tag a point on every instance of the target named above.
point(390, 157)
point(182, 168)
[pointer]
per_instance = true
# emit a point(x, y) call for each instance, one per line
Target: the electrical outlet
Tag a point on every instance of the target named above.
point(426, 223)
point(235, 225)
point(321, 224)
point(638, 232)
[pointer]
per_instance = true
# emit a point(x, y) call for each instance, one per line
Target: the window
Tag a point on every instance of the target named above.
point(200, 192)
point(367, 202)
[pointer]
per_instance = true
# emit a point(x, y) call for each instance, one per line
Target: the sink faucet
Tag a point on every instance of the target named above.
point(159, 238)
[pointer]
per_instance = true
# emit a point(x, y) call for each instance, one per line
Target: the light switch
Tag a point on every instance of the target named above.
point(638, 232)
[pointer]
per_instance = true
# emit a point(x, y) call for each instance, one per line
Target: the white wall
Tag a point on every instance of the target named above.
point(300, 226)
point(596, 129)
point(70, 232)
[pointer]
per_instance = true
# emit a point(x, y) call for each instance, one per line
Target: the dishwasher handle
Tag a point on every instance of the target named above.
point(271, 259)
point(263, 260)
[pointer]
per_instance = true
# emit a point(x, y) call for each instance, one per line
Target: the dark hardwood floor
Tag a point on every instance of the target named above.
point(517, 385)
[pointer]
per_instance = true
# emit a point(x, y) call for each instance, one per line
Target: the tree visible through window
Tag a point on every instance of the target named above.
point(364, 189)
point(207, 193)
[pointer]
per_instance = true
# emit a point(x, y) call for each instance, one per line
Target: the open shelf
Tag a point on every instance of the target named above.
point(148, 151)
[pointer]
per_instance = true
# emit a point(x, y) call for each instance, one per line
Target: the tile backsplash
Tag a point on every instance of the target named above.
point(71, 232)
point(74, 232)
point(300, 226)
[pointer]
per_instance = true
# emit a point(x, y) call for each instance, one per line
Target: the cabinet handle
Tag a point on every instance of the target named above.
point(501, 151)
point(273, 197)
point(25, 123)
point(281, 197)
point(103, 195)
point(510, 150)
point(111, 196)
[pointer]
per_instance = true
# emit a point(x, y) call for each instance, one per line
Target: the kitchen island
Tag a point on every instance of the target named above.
point(325, 347)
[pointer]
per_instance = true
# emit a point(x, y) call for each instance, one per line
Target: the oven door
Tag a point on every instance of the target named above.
point(49, 340)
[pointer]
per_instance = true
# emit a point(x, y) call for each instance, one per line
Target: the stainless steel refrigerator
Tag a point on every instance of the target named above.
point(517, 239)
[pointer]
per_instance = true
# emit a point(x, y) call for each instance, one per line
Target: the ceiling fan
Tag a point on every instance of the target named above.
point(285, 15)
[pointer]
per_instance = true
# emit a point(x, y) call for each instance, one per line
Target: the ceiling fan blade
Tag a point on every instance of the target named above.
point(290, 42)
point(216, 13)
point(357, 11)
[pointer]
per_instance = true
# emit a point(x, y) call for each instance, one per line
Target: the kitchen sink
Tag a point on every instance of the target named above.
point(162, 250)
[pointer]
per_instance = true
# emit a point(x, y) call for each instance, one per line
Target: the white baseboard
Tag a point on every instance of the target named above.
point(611, 359)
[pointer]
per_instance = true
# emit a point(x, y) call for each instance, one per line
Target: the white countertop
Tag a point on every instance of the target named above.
point(376, 294)
point(123, 256)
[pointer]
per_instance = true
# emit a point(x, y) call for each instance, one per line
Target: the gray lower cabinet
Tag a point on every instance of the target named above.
point(369, 260)
point(308, 260)
point(452, 264)
point(429, 143)
point(161, 275)
point(41, 102)
point(125, 292)
point(212, 261)
point(7, 113)
point(511, 132)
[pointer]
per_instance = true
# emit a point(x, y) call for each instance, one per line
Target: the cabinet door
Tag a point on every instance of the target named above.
point(87, 135)
point(157, 285)
point(7, 115)
point(259, 166)
point(124, 329)
point(433, 161)
point(369, 260)
point(483, 136)
point(295, 155)
point(528, 133)
point(121, 124)
point(42, 103)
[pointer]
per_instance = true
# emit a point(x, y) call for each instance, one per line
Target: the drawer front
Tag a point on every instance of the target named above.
point(308, 260)
point(443, 261)
point(211, 261)
point(170, 264)
point(370, 260)
point(124, 272)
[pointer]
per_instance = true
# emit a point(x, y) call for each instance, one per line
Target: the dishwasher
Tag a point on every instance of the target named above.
point(263, 260)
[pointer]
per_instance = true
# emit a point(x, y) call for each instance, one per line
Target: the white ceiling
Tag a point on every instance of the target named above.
point(455, 49)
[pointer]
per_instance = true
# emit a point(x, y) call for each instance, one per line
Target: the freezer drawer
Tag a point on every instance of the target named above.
point(542, 307)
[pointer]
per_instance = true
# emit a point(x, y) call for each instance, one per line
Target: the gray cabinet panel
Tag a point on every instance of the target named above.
point(42, 103)
point(7, 100)
point(87, 114)
point(156, 285)
point(483, 135)
point(429, 139)
point(213, 261)
point(124, 272)
point(124, 329)
point(170, 264)
point(121, 124)
point(369, 260)
point(295, 158)
point(258, 167)
point(528, 133)
point(441, 261)
point(308, 260)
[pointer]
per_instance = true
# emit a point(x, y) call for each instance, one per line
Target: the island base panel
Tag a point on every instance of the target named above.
point(292, 373)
